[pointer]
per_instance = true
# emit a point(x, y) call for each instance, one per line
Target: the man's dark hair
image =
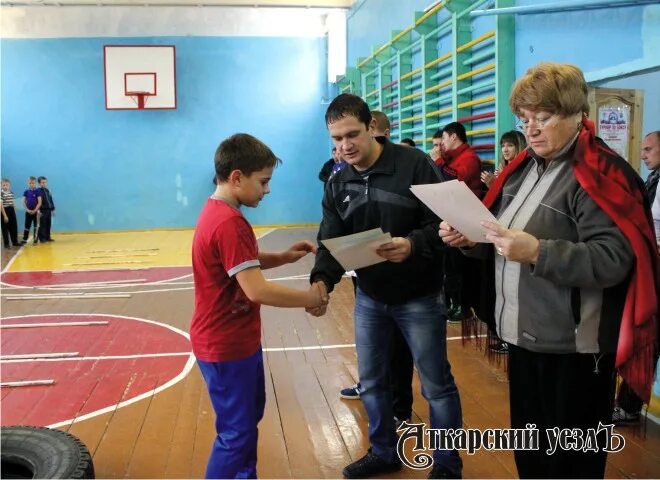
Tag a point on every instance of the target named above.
point(41, 178)
point(456, 128)
point(409, 141)
point(346, 105)
point(437, 134)
point(245, 153)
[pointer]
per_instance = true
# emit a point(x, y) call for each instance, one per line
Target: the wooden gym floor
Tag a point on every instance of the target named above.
point(116, 308)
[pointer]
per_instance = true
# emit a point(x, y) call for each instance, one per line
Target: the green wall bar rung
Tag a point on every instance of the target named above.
point(414, 85)
point(478, 86)
point(442, 73)
point(411, 108)
point(442, 98)
point(480, 57)
point(412, 46)
point(474, 6)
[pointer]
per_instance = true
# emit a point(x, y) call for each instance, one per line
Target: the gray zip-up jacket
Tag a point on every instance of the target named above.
point(572, 299)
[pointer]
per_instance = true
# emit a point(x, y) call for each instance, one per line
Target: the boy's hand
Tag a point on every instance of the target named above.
point(395, 251)
point(298, 250)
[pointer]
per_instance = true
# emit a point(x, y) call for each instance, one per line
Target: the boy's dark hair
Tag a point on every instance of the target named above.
point(245, 153)
point(437, 134)
point(409, 141)
point(41, 178)
point(346, 105)
point(31, 178)
point(456, 128)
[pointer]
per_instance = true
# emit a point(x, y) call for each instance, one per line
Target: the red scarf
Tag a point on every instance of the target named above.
point(610, 182)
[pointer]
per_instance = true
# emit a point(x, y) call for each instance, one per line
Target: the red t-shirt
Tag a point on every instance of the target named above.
point(226, 325)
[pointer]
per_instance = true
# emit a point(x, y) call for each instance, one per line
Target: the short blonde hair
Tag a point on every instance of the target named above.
point(558, 88)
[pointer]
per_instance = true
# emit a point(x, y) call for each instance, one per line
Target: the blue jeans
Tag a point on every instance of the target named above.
point(238, 396)
point(423, 323)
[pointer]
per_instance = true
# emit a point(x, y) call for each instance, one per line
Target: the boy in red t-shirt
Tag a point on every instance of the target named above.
point(229, 288)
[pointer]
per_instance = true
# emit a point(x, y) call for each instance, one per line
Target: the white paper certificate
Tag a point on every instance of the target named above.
point(359, 249)
point(455, 203)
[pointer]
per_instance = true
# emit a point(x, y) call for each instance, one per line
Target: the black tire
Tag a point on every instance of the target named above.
point(40, 452)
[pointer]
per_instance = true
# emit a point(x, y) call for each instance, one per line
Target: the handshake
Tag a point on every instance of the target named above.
point(318, 294)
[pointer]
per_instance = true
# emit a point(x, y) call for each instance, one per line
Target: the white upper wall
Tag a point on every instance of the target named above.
point(62, 22)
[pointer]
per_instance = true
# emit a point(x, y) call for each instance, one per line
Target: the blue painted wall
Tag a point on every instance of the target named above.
point(113, 170)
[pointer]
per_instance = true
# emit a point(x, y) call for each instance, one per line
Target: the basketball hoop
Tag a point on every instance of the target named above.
point(139, 98)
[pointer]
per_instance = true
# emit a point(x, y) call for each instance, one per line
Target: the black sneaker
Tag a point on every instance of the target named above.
point(371, 465)
point(351, 393)
point(441, 472)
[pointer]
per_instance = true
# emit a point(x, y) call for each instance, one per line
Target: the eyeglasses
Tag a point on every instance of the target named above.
point(524, 124)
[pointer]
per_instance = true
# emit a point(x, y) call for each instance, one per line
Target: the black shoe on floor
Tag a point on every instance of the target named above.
point(441, 472)
point(371, 465)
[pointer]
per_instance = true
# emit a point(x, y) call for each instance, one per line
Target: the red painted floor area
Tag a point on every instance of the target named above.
point(85, 386)
point(48, 278)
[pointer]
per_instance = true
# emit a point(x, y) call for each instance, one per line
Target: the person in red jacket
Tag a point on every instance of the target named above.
point(456, 160)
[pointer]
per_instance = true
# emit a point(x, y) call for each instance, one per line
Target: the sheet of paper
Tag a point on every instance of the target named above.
point(454, 202)
point(359, 249)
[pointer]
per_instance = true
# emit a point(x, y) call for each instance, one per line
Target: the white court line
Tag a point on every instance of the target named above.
point(58, 324)
point(11, 260)
point(179, 354)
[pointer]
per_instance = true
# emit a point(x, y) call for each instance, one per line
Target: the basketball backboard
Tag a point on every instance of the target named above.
point(139, 77)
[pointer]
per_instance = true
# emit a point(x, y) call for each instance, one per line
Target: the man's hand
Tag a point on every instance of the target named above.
point(322, 292)
point(514, 245)
point(298, 250)
point(395, 251)
point(5, 218)
point(453, 237)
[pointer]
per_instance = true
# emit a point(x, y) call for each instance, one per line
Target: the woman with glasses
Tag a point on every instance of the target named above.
point(574, 276)
point(511, 144)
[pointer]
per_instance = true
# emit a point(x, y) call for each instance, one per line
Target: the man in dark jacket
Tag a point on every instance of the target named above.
point(373, 190)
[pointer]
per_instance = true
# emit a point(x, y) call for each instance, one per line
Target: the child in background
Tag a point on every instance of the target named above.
point(32, 203)
point(229, 289)
point(47, 211)
point(9, 223)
